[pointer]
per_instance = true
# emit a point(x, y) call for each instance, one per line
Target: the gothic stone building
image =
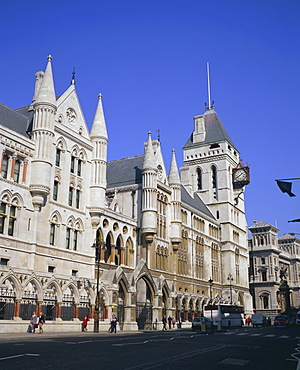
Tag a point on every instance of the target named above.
point(272, 260)
point(159, 236)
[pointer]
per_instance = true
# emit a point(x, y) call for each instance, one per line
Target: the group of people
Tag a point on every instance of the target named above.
point(36, 322)
point(171, 321)
point(113, 323)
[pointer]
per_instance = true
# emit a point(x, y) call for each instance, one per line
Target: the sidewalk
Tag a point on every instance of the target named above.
point(36, 336)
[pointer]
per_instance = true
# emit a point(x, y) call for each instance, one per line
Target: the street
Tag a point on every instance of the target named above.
point(246, 348)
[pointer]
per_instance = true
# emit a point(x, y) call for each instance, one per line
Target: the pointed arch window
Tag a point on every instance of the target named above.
point(55, 189)
point(77, 200)
point(52, 234)
point(53, 228)
point(70, 200)
point(199, 178)
point(214, 177)
point(12, 220)
point(2, 216)
point(68, 237)
point(72, 164)
point(8, 216)
point(79, 162)
point(58, 157)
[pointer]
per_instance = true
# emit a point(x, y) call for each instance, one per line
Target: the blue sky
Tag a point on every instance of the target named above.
point(148, 59)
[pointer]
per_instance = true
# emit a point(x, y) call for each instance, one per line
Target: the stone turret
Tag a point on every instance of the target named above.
point(175, 184)
point(44, 107)
point(149, 193)
point(99, 139)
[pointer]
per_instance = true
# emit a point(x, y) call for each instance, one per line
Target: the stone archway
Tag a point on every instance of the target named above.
point(164, 301)
point(121, 304)
point(144, 304)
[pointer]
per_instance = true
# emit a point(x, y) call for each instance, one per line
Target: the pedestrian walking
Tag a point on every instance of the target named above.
point(164, 321)
point(179, 322)
point(113, 324)
point(33, 322)
point(84, 323)
point(173, 322)
point(170, 322)
point(41, 322)
point(248, 321)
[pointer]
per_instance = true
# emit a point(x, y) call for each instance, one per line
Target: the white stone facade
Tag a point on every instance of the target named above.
point(160, 236)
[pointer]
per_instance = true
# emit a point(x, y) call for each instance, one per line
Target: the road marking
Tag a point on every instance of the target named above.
point(9, 357)
point(270, 335)
point(284, 336)
point(131, 344)
point(242, 334)
point(85, 341)
point(255, 335)
point(229, 333)
point(21, 355)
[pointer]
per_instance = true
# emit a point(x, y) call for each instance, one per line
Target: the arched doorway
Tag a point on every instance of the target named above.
point(121, 305)
point(164, 302)
point(144, 305)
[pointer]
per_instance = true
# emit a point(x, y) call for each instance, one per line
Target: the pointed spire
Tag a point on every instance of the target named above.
point(173, 174)
point(46, 93)
point(149, 160)
point(99, 125)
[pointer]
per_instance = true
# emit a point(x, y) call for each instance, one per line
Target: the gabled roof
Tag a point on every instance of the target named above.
point(15, 120)
point(195, 202)
point(215, 131)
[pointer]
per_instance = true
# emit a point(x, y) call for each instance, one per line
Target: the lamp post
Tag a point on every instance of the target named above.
point(230, 279)
point(210, 281)
point(96, 245)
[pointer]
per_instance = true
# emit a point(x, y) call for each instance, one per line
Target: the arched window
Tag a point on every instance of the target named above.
point(214, 182)
point(199, 178)
point(72, 235)
point(54, 223)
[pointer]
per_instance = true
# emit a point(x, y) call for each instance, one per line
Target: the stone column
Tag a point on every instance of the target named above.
point(122, 256)
point(75, 313)
point(13, 162)
point(113, 253)
point(17, 306)
point(58, 311)
point(25, 164)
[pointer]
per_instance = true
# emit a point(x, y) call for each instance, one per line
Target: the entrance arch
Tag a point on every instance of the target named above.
point(121, 304)
point(144, 304)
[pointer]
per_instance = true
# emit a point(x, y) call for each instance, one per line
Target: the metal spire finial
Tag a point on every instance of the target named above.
point(73, 82)
point(210, 104)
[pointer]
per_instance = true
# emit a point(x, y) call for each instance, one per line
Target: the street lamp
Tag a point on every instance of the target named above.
point(230, 279)
point(210, 281)
point(96, 245)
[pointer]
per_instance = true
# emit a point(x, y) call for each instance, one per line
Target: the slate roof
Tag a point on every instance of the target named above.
point(195, 202)
point(124, 172)
point(128, 171)
point(288, 236)
point(215, 131)
point(15, 120)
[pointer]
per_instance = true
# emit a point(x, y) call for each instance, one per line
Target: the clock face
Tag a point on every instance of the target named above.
point(240, 175)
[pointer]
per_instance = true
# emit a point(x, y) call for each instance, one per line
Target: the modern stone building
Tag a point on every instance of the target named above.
point(148, 238)
point(273, 259)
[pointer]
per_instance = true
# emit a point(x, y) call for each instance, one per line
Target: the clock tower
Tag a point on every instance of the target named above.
point(213, 170)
